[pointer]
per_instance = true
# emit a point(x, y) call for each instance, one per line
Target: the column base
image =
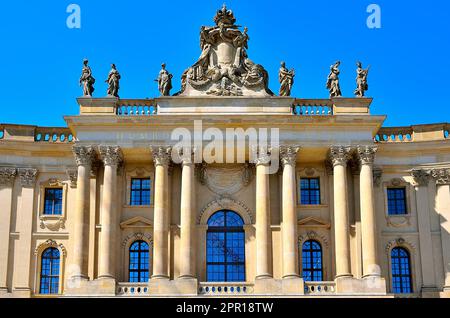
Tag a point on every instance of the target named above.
point(179, 287)
point(370, 286)
point(293, 285)
point(267, 286)
point(20, 292)
point(429, 292)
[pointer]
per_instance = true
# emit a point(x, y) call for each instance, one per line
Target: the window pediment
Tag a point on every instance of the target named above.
point(136, 222)
point(314, 222)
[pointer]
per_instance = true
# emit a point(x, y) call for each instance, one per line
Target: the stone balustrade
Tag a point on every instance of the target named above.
point(225, 289)
point(136, 107)
point(313, 107)
point(413, 133)
point(133, 289)
point(320, 288)
point(60, 135)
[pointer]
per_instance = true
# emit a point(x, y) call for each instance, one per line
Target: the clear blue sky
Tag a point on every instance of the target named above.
point(42, 58)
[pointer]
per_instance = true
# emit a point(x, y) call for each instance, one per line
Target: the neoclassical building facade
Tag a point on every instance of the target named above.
point(100, 208)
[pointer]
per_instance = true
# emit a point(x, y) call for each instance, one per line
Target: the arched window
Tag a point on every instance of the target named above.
point(139, 262)
point(401, 271)
point(312, 266)
point(225, 248)
point(50, 261)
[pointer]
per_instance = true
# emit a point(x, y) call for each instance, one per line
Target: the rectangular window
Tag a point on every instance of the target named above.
point(140, 192)
point(53, 201)
point(310, 191)
point(396, 201)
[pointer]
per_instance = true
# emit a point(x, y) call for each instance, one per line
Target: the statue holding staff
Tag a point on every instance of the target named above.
point(361, 80)
point(87, 80)
point(164, 81)
point(286, 78)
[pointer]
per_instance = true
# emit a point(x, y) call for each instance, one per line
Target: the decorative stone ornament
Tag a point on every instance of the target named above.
point(340, 155)
point(7, 176)
point(111, 155)
point(377, 175)
point(261, 155)
point(366, 154)
point(84, 155)
point(361, 80)
point(421, 177)
point(27, 176)
point(442, 176)
point(333, 85)
point(72, 174)
point(288, 155)
point(161, 155)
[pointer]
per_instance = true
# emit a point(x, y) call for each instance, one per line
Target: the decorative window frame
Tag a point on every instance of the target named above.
point(310, 172)
point(52, 222)
point(412, 250)
point(126, 244)
point(402, 220)
point(323, 240)
point(141, 173)
point(38, 261)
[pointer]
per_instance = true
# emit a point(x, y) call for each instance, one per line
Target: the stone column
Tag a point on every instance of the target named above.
point(111, 157)
point(371, 267)
point(84, 156)
point(442, 177)
point(263, 231)
point(421, 180)
point(340, 156)
point(289, 213)
point(161, 157)
point(7, 177)
point(187, 244)
point(22, 284)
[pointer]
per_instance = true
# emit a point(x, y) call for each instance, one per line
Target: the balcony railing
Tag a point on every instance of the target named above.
point(57, 135)
point(133, 289)
point(320, 288)
point(414, 133)
point(225, 289)
point(313, 107)
point(136, 107)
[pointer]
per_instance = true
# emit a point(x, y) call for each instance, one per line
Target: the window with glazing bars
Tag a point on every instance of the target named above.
point(140, 192)
point(53, 201)
point(396, 201)
point(310, 191)
point(49, 282)
point(312, 267)
point(401, 271)
point(139, 262)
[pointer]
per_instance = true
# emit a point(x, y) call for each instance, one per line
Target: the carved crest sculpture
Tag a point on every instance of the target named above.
point(361, 80)
point(286, 78)
point(87, 81)
point(164, 81)
point(333, 80)
point(113, 82)
point(224, 68)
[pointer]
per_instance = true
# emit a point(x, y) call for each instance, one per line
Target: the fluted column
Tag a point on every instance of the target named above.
point(84, 157)
point(111, 157)
point(161, 157)
point(263, 231)
point(187, 244)
point(289, 213)
point(442, 177)
point(371, 267)
point(339, 157)
point(25, 213)
point(7, 177)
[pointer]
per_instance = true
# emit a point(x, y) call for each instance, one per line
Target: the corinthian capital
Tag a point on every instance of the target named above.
point(7, 176)
point(288, 155)
point(161, 155)
point(442, 176)
point(340, 155)
point(261, 155)
point(111, 155)
point(366, 154)
point(27, 176)
point(421, 177)
point(84, 155)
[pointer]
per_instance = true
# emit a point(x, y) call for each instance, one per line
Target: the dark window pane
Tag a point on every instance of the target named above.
point(139, 262)
point(49, 280)
point(140, 192)
point(310, 191)
point(53, 201)
point(401, 271)
point(396, 201)
point(225, 248)
point(312, 261)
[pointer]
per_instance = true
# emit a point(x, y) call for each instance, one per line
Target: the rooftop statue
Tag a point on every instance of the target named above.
point(87, 81)
point(333, 80)
point(286, 78)
point(113, 82)
point(164, 81)
point(361, 80)
point(223, 68)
